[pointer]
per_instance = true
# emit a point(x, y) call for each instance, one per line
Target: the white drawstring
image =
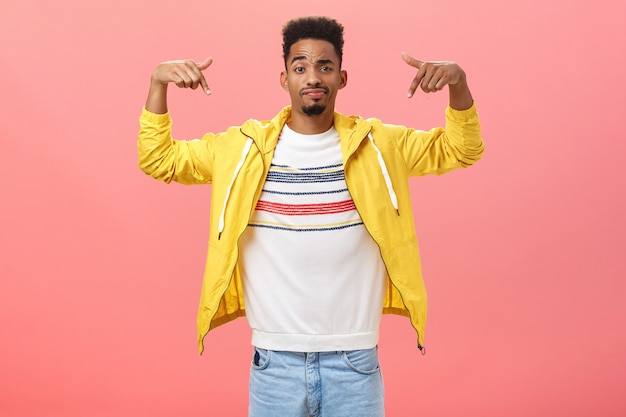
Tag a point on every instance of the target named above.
point(244, 153)
point(246, 150)
point(383, 168)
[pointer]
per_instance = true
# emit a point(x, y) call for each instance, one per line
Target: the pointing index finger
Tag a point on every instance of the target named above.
point(202, 66)
point(416, 63)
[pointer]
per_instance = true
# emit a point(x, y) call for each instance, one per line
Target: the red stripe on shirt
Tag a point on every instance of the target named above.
point(306, 209)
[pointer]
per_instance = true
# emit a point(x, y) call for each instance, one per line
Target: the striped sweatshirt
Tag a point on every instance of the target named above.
point(313, 277)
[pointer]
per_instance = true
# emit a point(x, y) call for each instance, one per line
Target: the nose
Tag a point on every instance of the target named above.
point(312, 78)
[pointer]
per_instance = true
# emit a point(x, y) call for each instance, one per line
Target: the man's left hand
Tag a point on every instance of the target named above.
point(433, 76)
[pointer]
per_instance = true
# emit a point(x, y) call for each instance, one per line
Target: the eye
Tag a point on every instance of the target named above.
point(326, 69)
point(299, 69)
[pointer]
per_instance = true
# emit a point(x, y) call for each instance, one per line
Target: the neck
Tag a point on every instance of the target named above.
point(311, 125)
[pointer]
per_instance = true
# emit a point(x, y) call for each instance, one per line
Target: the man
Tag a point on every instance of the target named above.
point(311, 231)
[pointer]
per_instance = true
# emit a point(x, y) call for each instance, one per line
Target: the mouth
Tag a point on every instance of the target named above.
point(314, 93)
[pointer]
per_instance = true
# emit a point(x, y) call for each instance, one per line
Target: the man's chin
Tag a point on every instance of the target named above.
point(314, 109)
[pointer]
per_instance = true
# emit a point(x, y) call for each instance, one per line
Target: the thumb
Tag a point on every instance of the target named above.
point(205, 64)
point(412, 61)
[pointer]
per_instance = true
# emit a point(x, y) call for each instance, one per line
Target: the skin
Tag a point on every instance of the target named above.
point(183, 73)
point(433, 76)
point(312, 77)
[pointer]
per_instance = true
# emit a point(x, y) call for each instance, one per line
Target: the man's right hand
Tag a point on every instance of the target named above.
point(184, 73)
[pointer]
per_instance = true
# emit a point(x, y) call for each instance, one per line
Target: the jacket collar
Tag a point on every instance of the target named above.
point(352, 131)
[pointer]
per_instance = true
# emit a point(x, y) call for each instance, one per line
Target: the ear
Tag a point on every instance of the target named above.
point(283, 81)
point(344, 79)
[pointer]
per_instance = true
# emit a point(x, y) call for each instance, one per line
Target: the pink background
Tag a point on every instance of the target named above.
point(101, 266)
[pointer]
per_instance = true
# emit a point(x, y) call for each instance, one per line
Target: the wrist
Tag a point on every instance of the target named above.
point(155, 82)
point(461, 82)
point(460, 95)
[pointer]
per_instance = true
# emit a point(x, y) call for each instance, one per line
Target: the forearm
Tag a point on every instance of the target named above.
point(460, 95)
point(157, 98)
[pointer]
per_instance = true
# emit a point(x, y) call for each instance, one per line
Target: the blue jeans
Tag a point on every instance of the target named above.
point(316, 384)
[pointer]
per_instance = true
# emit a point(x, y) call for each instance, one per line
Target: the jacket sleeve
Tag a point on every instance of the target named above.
point(441, 150)
point(166, 159)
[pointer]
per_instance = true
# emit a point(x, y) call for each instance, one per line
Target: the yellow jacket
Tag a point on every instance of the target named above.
point(236, 163)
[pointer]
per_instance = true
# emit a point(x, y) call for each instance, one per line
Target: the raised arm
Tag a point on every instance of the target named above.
point(161, 157)
point(457, 145)
point(183, 73)
point(433, 76)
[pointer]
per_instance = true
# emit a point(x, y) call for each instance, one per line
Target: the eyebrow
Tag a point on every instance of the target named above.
point(319, 61)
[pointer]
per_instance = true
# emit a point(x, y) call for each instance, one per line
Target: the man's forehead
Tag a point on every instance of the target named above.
point(312, 50)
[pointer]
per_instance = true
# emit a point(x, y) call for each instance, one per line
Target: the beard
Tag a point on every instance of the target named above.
point(314, 109)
